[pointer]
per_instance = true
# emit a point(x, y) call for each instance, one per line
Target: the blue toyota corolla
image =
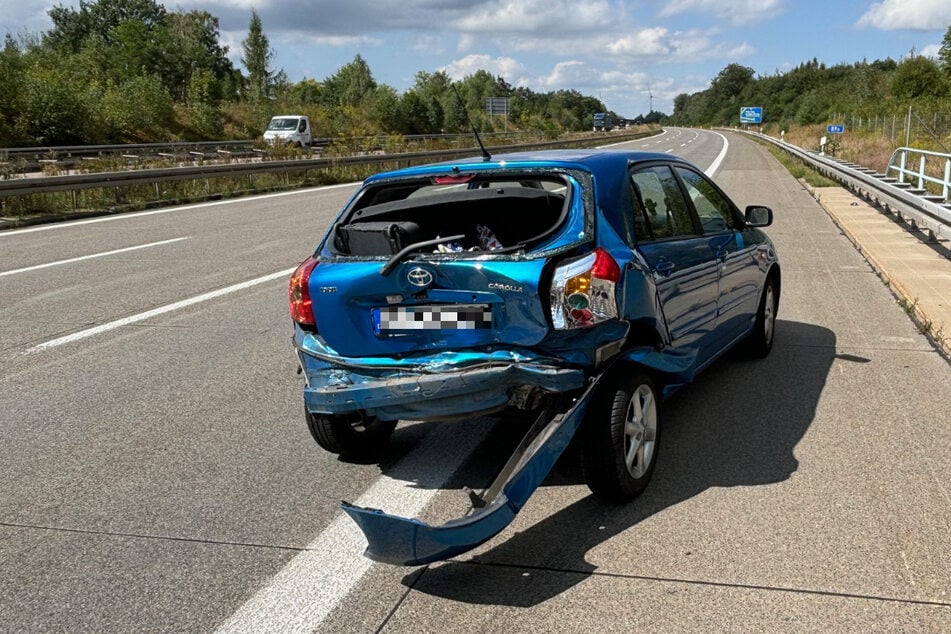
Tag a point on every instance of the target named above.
point(582, 285)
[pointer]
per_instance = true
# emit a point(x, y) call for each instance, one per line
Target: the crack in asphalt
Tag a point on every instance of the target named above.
point(195, 540)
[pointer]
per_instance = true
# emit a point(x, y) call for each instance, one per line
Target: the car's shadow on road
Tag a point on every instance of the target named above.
point(738, 425)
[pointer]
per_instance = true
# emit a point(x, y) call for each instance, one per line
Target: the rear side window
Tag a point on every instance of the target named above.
point(712, 207)
point(660, 210)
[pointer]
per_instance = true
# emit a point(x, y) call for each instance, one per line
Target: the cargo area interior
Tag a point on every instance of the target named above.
point(515, 215)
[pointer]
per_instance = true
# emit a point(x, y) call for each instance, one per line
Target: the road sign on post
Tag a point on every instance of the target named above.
point(752, 114)
point(835, 129)
point(496, 105)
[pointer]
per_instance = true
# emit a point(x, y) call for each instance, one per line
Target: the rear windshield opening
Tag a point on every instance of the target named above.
point(484, 215)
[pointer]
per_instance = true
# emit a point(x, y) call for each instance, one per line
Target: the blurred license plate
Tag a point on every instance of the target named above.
point(441, 317)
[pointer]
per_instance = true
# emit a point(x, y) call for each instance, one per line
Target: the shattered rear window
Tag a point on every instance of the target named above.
point(479, 214)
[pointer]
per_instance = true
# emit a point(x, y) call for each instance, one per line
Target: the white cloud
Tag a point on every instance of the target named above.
point(660, 45)
point(570, 74)
point(644, 43)
point(917, 15)
point(510, 69)
point(931, 51)
point(541, 18)
point(736, 11)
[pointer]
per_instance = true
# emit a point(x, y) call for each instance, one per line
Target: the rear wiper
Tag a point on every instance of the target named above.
point(401, 255)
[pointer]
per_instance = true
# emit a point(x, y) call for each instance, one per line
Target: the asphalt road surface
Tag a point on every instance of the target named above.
point(157, 474)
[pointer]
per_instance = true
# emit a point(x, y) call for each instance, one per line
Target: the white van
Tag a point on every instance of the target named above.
point(293, 129)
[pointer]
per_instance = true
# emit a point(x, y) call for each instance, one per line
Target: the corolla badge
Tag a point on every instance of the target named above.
point(419, 277)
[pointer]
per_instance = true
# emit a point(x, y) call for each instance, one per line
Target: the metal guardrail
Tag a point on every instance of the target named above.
point(75, 182)
point(27, 159)
point(928, 213)
point(98, 150)
point(899, 161)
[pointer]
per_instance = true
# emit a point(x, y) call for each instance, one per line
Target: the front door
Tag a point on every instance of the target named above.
point(739, 276)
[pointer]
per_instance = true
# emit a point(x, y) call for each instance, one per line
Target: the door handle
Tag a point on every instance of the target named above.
point(664, 267)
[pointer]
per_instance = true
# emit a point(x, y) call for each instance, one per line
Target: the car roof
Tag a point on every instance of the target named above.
point(590, 159)
point(607, 165)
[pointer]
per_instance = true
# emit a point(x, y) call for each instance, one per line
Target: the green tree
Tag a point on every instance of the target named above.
point(72, 28)
point(193, 46)
point(12, 67)
point(203, 104)
point(944, 54)
point(52, 109)
point(731, 81)
point(350, 85)
point(384, 108)
point(140, 108)
point(257, 59)
point(307, 91)
point(414, 115)
point(435, 92)
point(916, 77)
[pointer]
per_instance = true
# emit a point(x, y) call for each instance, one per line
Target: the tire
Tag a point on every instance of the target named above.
point(621, 436)
point(354, 436)
point(760, 341)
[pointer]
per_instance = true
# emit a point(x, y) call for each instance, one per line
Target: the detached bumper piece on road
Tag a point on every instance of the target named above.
point(411, 542)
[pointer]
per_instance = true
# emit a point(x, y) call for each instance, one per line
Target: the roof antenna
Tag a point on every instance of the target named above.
point(485, 153)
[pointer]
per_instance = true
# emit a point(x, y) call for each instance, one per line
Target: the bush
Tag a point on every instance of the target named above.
point(53, 111)
point(139, 108)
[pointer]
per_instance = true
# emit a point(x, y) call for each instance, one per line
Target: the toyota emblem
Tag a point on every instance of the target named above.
point(419, 277)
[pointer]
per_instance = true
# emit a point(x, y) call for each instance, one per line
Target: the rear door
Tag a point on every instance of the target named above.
point(681, 261)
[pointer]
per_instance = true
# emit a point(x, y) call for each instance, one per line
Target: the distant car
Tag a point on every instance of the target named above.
point(480, 286)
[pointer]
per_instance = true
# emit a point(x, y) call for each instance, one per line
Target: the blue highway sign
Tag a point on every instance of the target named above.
point(751, 115)
point(835, 129)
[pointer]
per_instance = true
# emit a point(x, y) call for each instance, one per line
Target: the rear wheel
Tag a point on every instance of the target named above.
point(761, 339)
point(354, 436)
point(621, 437)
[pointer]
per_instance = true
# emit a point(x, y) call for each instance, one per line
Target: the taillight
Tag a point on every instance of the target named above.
point(298, 294)
point(582, 291)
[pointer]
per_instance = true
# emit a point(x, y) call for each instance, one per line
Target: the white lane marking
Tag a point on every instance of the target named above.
point(112, 325)
point(301, 595)
point(92, 256)
point(139, 214)
point(710, 171)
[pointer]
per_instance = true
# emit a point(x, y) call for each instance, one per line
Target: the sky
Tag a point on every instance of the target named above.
point(631, 54)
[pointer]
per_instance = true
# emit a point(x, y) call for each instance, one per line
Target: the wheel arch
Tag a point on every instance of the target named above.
point(775, 272)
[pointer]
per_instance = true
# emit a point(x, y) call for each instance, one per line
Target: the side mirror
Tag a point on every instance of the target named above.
point(758, 216)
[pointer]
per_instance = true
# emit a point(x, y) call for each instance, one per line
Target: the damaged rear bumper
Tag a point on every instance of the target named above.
point(424, 386)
